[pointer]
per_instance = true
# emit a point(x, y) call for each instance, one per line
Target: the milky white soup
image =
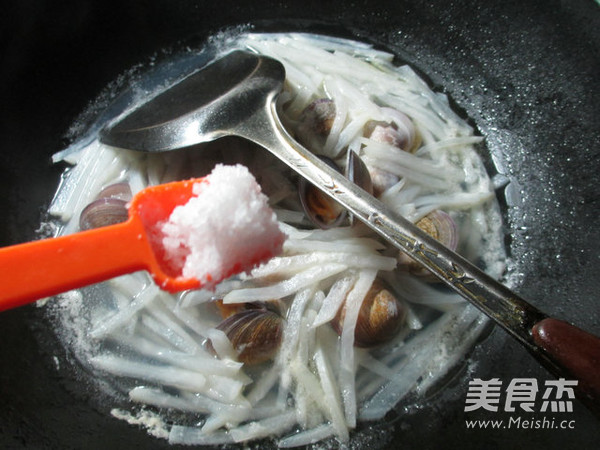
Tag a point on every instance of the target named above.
point(337, 330)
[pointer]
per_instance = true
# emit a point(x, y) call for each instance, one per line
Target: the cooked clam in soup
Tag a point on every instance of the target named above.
point(338, 329)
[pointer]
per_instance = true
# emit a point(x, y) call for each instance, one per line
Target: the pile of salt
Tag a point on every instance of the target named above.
point(227, 227)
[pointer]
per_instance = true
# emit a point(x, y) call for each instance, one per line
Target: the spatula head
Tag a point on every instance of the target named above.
point(152, 207)
point(200, 108)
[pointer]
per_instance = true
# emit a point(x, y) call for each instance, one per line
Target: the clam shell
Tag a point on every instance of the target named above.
point(439, 225)
point(120, 190)
point(229, 309)
point(315, 124)
point(321, 209)
point(386, 133)
point(102, 212)
point(254, 333)
point(380, 317)
point(382, 180)
point(358, 172)
point(398, 130)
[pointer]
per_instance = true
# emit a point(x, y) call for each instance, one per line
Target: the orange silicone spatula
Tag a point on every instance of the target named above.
point(47, 267)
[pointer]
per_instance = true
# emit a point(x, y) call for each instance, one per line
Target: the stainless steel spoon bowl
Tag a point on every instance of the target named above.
point(235, 96)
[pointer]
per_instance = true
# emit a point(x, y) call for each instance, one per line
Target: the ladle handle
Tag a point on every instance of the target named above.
point(497, 301)
point(576, 351)
point(493, 298)
point(39, 269)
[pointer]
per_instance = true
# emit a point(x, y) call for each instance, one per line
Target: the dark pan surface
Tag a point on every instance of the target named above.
point(527, 74)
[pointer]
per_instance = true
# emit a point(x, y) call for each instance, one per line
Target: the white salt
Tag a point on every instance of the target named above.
point(227, 227)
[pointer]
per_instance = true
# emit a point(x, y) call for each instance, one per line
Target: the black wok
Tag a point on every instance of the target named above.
point(526, 73)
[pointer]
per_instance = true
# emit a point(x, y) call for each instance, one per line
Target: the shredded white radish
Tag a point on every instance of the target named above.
point(157, 397)
point(141, 300)
point(332, 303)
point(331, 392)
point(200, 361)
point(194, 436)
point(264, 428)
point(347, 362)
point(308, 437)
point(287, 287)
point(221, 344)
point(168, 376)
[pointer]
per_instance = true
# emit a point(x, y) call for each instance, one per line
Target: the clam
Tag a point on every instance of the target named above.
point(229, 309)
point(109, 207)
point(358, 172)
point(380, 317)
point(315, 123)
point(120, 190)
point(440, 226)
point(382, 180)
point(102, 212)
point(255, 334)
point(321, 209)
point(401, 133)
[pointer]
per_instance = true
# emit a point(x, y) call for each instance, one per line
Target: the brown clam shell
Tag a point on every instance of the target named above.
point(315, 123)
point(120, 190)
point(102, 212)
point(400, 132)
point(254, 333)
point(358, 172)
point(440, 226)
point(380, 317)
point(229, 309)
point(321, 209)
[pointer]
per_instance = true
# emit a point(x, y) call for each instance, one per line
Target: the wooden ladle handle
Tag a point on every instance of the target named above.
point(575, 350)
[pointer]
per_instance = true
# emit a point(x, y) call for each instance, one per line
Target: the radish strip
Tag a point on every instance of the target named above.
point(284, 288)
point(347, 364)
point(169, 376)
point(333, 301)
point(307, 437)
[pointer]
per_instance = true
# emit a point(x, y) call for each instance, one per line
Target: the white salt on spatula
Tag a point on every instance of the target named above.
point(227, 227)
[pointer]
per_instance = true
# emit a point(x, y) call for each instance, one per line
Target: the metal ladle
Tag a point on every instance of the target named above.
point(235, 96)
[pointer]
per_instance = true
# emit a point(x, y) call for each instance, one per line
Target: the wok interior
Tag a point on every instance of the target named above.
point(520, 82)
